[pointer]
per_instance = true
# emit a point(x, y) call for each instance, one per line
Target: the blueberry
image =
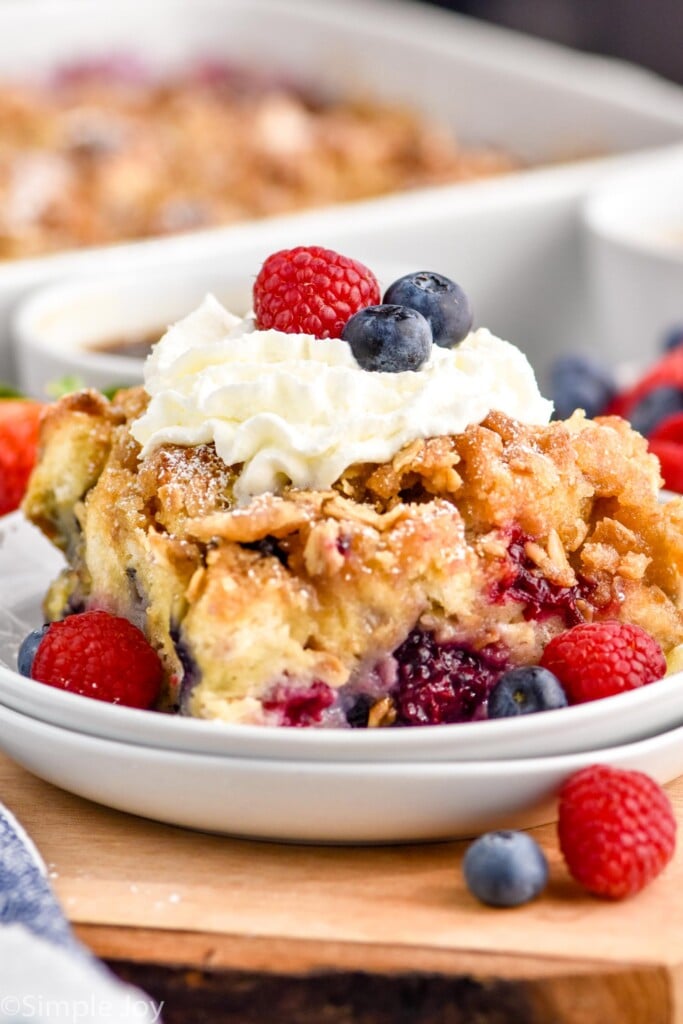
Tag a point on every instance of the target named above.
point(28, 648)
point(673, 338)
point(655, 407)
point(390, 339)
point(522, 691)
point(580, 382)
point(358, 714)
point(505, 869)
point(441, 301)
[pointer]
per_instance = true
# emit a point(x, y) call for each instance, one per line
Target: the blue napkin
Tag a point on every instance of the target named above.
point(46, 975)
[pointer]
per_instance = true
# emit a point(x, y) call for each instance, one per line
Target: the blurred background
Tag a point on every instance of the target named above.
point(649, 33)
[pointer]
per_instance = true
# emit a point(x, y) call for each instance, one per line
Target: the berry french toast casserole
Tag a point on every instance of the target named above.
point(106, 151)
point(349, 510)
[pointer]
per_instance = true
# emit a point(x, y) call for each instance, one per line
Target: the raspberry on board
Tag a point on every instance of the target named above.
point(99, 655)
point(600, 659)
point(311, 290)
point(616, 829)
point(19, 428)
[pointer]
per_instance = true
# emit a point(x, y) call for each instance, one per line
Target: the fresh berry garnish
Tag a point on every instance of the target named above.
point(654, 407)
point(441, 682)
point(28, 648)
point(525, 690)
point(19, 426)
point(505, 869)
point(673, 338)
point(668, 371)
point(441, 301)
point(311, 290)
point(670, 455)
point(525, 583)
point(600, 659)
point(580, 382)
point(99, 655)
point(389, 339)
point(669, 429)
point(299, 706)
point(616, 828)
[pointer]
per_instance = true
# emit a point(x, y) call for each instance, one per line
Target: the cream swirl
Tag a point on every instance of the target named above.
point(291, 408)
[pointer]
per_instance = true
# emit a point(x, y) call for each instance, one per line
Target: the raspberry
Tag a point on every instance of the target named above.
point(443, 682)
point(599, 659)
point(102, 656)
point(616, 828)
point(310, 290)
point(299, 706)
point(19, 422)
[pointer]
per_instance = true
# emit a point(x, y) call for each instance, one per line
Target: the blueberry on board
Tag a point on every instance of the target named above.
point(28, 648)
point(580, 382)
point(389, 339)
point(524, 690)
point(441, 301)
point(505, 868)
point(654, 407)
point(673, 338)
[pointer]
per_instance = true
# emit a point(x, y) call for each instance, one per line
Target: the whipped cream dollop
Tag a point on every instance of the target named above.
point(291, 408)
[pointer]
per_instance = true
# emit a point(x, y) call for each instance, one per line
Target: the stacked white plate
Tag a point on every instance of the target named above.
point(305, 785)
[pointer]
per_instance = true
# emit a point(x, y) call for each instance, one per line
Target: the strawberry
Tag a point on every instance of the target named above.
point(670, 455)
point(19, 425)
point(669, 429)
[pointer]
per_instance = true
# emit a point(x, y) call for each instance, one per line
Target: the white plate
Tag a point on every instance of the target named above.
point(27, 564)
point(297, 801)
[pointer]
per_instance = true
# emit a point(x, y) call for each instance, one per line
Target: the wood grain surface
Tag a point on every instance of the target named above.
point(236, 931)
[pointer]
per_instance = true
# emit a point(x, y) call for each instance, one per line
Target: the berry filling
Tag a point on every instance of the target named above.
point(268, 547)
point(442, 683)
point(527, 584)
point(299, 706)
point(190, 676)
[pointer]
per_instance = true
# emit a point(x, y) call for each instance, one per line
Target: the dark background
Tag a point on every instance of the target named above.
point(647, 32)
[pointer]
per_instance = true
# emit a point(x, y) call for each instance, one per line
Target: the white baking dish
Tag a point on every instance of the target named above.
point(512, 241)
point(634, 246)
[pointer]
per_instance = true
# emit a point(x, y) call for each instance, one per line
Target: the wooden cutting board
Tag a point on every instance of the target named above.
point(235, 931)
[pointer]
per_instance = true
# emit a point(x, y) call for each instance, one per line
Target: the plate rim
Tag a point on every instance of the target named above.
point(425, 743)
